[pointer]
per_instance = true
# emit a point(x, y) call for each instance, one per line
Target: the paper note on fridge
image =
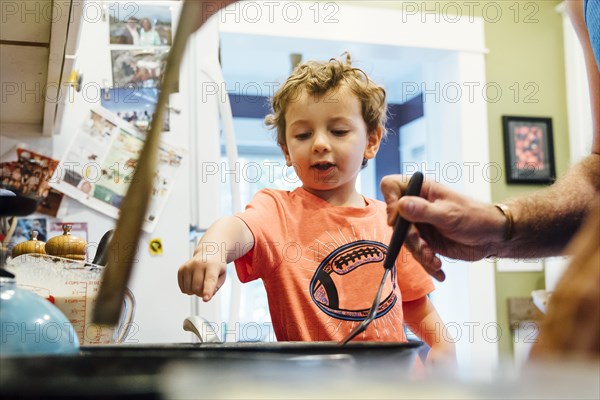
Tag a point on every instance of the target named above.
point(98, 166)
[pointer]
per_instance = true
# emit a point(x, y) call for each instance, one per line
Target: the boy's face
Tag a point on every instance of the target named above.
point(327, 139)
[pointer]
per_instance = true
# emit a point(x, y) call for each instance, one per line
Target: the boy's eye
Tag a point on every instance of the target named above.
point(339, 132)
point(301, 136)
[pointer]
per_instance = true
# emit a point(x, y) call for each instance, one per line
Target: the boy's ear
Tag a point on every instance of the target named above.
point(286, 154)
point(373, 142)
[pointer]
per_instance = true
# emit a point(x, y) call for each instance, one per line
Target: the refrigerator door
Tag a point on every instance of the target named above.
point(210, 113)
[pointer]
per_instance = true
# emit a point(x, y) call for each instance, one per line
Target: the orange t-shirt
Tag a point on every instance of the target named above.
point(322, 265)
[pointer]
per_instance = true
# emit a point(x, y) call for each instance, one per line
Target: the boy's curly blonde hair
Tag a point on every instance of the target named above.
point(318, 78)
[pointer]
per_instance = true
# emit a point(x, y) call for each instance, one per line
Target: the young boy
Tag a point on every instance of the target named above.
point(319, 249)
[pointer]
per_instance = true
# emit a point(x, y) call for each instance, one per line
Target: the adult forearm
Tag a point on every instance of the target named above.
point(545, 222)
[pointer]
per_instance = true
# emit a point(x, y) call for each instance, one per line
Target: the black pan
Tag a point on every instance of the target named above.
point(135, 371)
point(17, 206)
point(257, 348)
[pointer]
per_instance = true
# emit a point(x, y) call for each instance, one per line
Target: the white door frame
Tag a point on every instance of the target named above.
point(578, 94)
point(464, 36)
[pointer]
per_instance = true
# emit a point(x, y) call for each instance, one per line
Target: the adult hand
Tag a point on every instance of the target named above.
point(445, 223)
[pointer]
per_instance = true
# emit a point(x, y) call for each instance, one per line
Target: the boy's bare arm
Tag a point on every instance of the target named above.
point(422, 319)
point(225, 241)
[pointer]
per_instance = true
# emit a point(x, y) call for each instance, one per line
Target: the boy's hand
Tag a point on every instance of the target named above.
point(202, 276)
point(225, 241)
point(442, 356)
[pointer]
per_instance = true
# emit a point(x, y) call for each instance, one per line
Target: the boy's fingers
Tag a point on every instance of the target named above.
point(185, 277)
point(197, 283)
point(211, 280)
point(180, 280)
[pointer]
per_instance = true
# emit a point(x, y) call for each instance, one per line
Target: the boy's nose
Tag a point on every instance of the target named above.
point(320, 142)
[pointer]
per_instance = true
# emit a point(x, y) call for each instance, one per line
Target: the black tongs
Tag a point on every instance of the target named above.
point(400, 231)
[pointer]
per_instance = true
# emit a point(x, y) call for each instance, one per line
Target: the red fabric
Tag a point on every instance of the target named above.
point(322, 265)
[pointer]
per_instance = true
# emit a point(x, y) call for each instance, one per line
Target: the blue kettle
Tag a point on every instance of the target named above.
point(31, 325)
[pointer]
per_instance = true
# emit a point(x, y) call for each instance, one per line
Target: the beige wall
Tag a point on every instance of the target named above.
point(525, 60)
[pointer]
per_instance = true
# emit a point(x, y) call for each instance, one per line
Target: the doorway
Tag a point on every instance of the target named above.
point(443, 62)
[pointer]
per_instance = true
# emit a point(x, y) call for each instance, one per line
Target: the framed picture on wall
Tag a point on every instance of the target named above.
point(528, 150)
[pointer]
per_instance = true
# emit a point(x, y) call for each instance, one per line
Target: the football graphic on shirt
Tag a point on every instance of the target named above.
point(351, 269)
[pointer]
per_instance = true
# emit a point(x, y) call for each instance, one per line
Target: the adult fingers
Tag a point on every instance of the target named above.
point(425, 255)
point(392, 212)
point(419, 210)
point(391, 188)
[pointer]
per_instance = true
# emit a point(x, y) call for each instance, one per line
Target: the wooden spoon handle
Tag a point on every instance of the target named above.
point(123, 246)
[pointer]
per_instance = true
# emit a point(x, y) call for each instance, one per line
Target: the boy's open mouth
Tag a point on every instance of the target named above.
point(323, 166)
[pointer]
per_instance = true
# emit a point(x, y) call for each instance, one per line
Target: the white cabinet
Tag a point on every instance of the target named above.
point(38, 42)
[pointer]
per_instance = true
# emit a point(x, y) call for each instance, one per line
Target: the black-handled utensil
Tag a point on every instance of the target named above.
point(101, 253)
point(400, 231)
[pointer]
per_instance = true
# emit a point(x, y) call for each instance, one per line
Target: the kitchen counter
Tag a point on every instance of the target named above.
point(274, 370)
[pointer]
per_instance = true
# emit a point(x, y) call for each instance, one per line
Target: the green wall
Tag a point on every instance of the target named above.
point(525, 45)
point(525, 53)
